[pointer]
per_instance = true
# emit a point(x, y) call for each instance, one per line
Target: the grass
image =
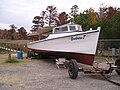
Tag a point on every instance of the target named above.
point(4, 61)
point(100, 58)
point(12, 60)
point(3, 51)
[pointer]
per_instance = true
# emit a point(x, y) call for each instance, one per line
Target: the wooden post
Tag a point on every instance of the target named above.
point(9, 56)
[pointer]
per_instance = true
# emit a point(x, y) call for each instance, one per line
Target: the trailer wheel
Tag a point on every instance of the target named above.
point(29, 54)
point(117, 63)
point(73, 69)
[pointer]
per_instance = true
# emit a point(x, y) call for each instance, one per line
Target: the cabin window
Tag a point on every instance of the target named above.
point(72, 28)
point(61, 29)
point(64, 28)
point(56, 30)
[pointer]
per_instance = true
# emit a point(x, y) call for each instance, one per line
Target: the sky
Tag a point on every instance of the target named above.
point(21, 12)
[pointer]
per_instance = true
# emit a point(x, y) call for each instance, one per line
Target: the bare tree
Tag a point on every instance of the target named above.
point(39, 22)
point(51, 15)
point(106, 12)
point(22, 33)
point(74, 11)
point(12, 31)
point(63, 18)
point(36, 22)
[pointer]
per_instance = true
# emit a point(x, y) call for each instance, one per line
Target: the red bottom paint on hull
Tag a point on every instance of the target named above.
point(79, 57)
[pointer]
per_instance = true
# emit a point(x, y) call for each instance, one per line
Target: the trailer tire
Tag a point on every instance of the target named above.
point(73, 69)
point(117, 63)
point(29, 54)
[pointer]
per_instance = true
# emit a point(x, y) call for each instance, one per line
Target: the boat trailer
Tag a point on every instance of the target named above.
point(73, 70)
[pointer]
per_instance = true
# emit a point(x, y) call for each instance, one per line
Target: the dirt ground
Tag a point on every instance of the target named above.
point(42, 74)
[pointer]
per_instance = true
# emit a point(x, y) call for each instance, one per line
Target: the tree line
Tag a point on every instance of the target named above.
point(50, 17)
point(13, 33)
point(107, 17)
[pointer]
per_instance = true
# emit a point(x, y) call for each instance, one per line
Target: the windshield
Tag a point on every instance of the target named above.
point(72, 28)
point(61, 29)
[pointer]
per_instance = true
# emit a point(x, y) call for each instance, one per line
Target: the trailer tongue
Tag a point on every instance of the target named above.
point(73, 70)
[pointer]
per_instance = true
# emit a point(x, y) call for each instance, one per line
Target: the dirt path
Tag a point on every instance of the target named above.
point(43, 75)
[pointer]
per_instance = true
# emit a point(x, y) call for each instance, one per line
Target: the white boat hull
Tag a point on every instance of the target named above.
point(76, 44)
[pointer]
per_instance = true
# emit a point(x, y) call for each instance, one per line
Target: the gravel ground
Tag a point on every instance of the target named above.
point(43, 75)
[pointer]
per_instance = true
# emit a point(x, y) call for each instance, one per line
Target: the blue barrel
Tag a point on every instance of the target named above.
point(19, 54)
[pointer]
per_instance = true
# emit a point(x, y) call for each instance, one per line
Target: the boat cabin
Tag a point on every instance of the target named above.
point(67, 28)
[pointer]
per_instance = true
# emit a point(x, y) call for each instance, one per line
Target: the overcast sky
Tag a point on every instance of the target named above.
point(21, 12)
